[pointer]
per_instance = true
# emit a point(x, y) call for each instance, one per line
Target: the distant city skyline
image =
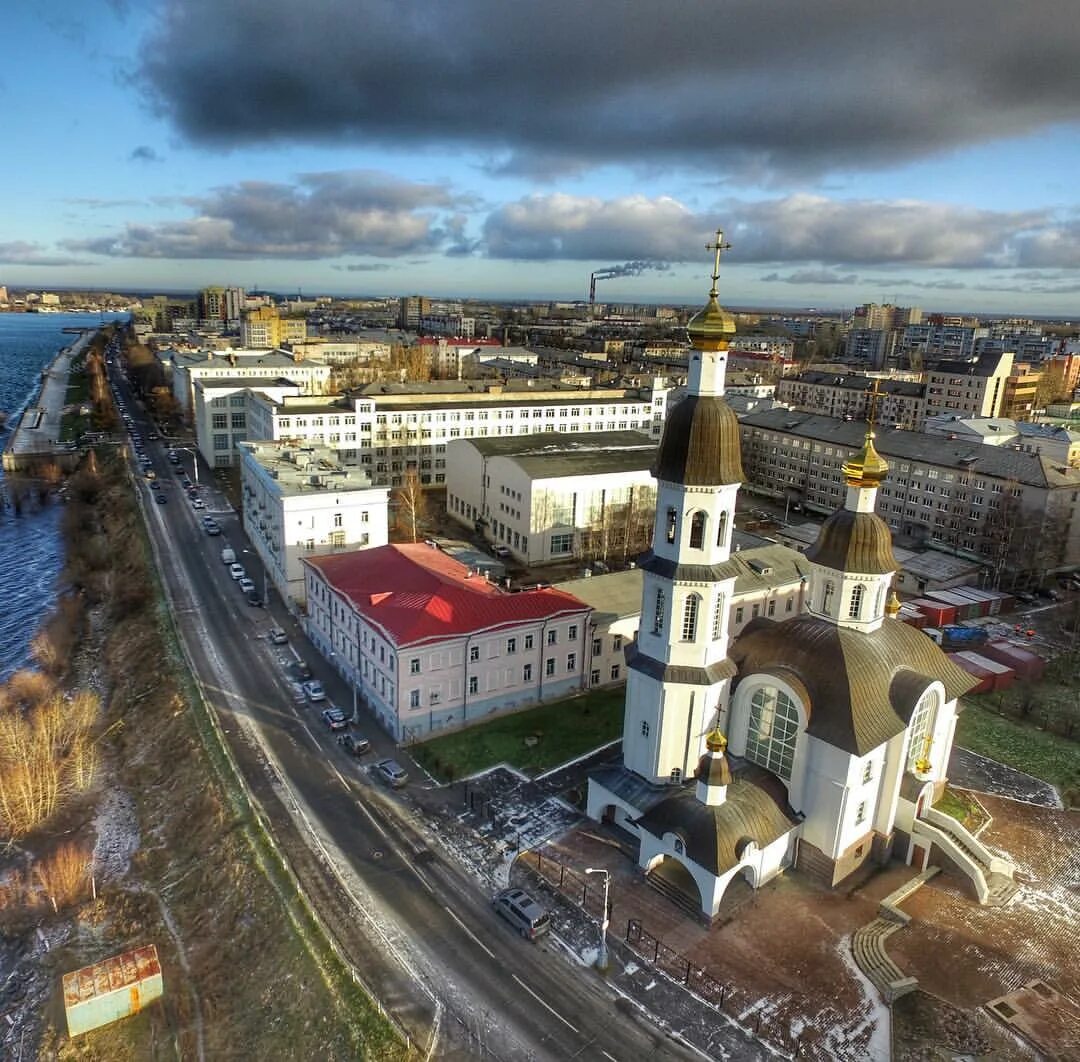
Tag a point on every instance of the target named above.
point(477, 148)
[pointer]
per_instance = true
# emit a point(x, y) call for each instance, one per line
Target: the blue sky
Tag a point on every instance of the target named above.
point(921, 153)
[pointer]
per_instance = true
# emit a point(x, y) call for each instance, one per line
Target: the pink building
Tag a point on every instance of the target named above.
point(429, 645)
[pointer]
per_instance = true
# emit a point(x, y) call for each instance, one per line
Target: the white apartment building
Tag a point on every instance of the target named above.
point(550, 498)
point(968, 388)
point(300, 502)
point(848, 395)
point(340, 351)
point(220, 413)
point(391, 429)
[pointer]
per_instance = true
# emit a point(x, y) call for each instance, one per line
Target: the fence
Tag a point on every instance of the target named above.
point(746, 1012)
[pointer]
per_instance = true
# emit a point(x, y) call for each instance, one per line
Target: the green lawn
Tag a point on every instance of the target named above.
point(1021, 745)
point(78, 388)
point(533, 740)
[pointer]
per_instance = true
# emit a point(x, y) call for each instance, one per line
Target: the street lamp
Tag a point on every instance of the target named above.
point(602, 956)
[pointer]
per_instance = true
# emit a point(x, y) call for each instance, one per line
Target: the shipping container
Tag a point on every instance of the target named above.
point(978, 598)
point(112, 989)
point(1026, 664)
point(937, 613)
point(985, 677)
point(1003, 675)
point(910, 615)
point(965, 607)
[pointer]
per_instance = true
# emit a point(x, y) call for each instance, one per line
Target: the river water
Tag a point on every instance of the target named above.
point(31, 551)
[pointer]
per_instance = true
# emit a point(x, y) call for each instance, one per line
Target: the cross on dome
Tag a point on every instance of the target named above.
point(719, 247)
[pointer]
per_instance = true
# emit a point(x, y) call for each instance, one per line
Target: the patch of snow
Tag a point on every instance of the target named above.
point(117, 835)
point(877, 1014)
point(578, 759)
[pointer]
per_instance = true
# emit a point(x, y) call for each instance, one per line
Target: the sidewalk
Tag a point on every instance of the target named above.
point(38, 430)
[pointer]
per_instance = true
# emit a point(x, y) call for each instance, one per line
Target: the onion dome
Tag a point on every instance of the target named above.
point(892, 606)
point(867, 468)
point(713, 767)
point(715, 740)
point(709, 328)
point(700, 446)
point(854, 542)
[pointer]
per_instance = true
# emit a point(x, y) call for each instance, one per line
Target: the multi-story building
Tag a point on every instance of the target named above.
point(411, 308)
point(220, 413)
point(392, 429)
point(1021, 398)
point(211, 303)
point(885, 317)
point(1016, 510)
point(898, 402)
point(933, 340)
point(300, 502)
point(265, 327)
point(428, 645)
point(874, 346)
point(968, 388)
point(549, 498)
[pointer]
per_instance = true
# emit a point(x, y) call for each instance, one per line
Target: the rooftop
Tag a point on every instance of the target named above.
point(545, 455)
point(307, 470)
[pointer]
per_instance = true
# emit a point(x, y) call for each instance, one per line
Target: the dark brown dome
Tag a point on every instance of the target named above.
point(700, 446)
point(854, 542)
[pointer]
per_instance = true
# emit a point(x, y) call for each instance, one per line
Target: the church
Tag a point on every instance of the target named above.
point(817, 742)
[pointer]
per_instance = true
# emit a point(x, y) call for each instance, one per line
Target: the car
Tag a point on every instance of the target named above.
point(278, 636)
point(1024, 596)
point(155, 485)
point(246, 584)
point(392, 773)
point(198, 503)
point(212, 529)
point(335, 718)
point(160, 498)
point(180, 472)
point(296, 691)
point(314, 689)
point(153, 436)
point(208, 520)
point(253, 598)
point(353, 744)
point(237, 571)
point(300, 669)
point(501, 551)
point(522, 912)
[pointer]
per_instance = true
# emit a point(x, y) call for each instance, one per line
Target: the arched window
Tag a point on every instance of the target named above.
point(718, 617)
point(721, 529)
point(672, 520)
point(773, 729)
point(676, 774)
point(920, 728)
point(697, 530)
point(690, 617)
point(855, 605)
point(658, 611)
point(826, 598)
point(880, 603)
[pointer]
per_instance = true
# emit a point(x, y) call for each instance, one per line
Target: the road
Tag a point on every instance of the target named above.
point(420, 931)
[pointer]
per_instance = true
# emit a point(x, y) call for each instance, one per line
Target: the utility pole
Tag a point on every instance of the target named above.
point(602, 955)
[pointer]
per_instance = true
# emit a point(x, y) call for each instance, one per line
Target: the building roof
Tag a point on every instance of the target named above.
point(254, 382)
point(859, 688)
point(417, 594)
point(854, 542)
point(756, 810)
point(610, 596)
point(307, 470)
point(548, 455)
point(700, 446)
point(857, 382)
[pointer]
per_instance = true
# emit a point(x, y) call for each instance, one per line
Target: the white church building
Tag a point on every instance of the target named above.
point(815, 742)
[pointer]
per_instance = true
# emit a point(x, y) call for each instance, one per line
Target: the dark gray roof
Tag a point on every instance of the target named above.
point(550, 452)
point(969, 455)
point(860, 688)
point(759, 568)
point(700, 446)
point(857, 382)
point(678, 673)
point(756, 809)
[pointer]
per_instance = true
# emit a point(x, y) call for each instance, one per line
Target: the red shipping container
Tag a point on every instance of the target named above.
point(1002, 674)
point(1026, 664)
point(986, 678)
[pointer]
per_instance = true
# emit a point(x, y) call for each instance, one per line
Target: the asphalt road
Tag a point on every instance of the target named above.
point(421, 932)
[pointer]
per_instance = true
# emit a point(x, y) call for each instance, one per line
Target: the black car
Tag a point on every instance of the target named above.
point(300, 669)
point(253, 598)
point(160, 498)
point(354, 745)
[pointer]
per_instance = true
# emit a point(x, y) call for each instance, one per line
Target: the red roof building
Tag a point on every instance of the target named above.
point(430, 644)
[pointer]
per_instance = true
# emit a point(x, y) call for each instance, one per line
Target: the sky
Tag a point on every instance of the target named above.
point(917, 152)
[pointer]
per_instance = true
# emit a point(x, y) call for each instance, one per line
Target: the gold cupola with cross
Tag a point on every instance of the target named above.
point(710, 327)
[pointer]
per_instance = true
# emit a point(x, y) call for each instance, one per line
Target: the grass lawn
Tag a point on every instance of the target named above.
point(72, 425)
point(1021, 745)
point(533, 740)
point(78, 388)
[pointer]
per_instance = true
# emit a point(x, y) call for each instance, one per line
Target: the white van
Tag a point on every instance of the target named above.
point(228, 555)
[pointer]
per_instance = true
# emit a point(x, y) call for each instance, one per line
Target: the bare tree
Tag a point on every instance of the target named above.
point(411, 507)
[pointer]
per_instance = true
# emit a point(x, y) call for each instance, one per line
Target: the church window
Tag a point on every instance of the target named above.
point(867, 772)
point(697, 530)
point(676, 774)
point(658, 611)
point(774, 726)
point(690, 617)
point(718, 617)
point(860, 813)
point(721, 529)
point(919, 730)
point(677, 845)
point(855, 605)
point(644, 729)
point(826, 598)
point(879, 604)
point(671, 521)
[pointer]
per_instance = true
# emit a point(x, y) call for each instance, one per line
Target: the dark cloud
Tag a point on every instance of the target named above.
point(366, 267)
point(322, 215)
point(813, 276)
point(22, 253)
point(143, 153)
point(547, 87)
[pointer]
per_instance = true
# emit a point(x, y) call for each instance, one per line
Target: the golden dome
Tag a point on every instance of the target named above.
point(709, 328)
point(867, 468)
point(892, 606)
point(715, 740)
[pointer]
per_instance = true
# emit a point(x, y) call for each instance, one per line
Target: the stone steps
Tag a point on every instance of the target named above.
point(868, 950)
point(1001, 890)
point(674, 894)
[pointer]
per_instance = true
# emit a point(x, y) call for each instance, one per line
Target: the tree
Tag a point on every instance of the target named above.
point(410, 506)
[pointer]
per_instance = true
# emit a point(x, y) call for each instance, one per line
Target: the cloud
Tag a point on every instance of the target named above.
point(365, 267)
point(813, 276)
point(98, 203)
point(546, 88)
point(321, 215)
point(22, 253)
point(143, 153)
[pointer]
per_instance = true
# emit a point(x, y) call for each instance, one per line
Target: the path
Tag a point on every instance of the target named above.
point(38, 430)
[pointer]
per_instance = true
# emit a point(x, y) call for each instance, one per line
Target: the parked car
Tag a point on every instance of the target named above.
point(155, 485)
point(237, 571)
point(160, 498)
point(314, 689)
point(246, 584)
point(300, 669)
point(253, 598)
point(352, 744)
point(335, 718)
point(522, 912)
point(198, 503)
point(278, 636)
point(501, 551)
point(392, 773)
point(212, 528)
point(297, 693)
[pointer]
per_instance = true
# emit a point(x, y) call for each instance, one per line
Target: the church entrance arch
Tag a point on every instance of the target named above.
point(670, 877)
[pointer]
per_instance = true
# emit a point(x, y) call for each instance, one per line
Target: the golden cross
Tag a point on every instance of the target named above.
point(719, 247)
point(875, 394)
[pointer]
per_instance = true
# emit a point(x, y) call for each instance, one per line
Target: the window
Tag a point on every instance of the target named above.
point(855, 605)
point(721, 529)
point(414, 699)
point(690, 616)
point(658, 611)
point(511, 645)
point(562, 543)
point(920, 730)
point(860, 813)
point(474, 684)
point(474, 653)
point(549, 666)
point(616, 643)
point(739, 614)
point(414, 666)
point(571, 661)
point(677, 844)
point(614, 672)
point(552, 637)
point(594, 677)
point(676, 775)
point(220, 420)
point(672, 520)
point(867, 773)
point(526, 673)
point(644, 729)
point(718, 617)
point(773, 729)
point(528, 641)
point(597, 646)
point(571, 632)
point(826, 598)
point(697, 530)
